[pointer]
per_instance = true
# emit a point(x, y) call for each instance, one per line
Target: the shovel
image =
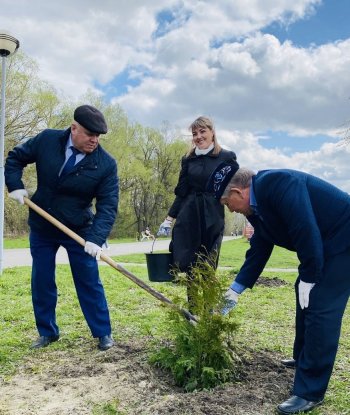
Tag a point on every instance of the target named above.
point(110, 262)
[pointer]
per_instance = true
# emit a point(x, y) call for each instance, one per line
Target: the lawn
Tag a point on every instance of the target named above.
point(23, 242)
point(232, 255)
point(265, 316)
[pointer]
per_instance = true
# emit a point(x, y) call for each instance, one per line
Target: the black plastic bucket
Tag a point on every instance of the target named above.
point(159, 266)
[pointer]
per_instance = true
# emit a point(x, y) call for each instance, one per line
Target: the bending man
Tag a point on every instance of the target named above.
point(307, 215)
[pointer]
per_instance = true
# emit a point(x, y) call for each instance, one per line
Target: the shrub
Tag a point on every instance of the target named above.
point(201, 356)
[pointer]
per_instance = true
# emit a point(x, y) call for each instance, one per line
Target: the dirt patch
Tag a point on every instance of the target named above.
point(64, 383)
point(271, 282)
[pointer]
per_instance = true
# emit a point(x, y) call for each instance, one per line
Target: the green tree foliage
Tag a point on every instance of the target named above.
point(31, 105)
point(148, 170)
point(148, 159)
point(234, 222)
point(30, 102)
point(148, 166)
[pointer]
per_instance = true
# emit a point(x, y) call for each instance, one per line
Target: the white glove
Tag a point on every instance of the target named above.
point(231, 299)
point(164, 228)
point(304, 289)
point(18, 195)
point(166, 224)
point(93, 250)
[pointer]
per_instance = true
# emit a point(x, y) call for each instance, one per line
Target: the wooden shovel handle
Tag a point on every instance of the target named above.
point(109, 260)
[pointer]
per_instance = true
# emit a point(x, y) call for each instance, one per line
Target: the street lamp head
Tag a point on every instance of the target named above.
point(8, 43)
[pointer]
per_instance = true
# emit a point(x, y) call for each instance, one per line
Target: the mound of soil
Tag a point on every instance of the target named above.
point(270, 282)
point(67, 383)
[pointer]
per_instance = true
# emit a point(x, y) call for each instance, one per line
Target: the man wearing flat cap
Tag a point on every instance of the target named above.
point(73, 170)
point(305, 214)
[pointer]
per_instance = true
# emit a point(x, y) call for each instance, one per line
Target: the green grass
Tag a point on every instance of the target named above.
point(23, 242)
point(232, 255)
point(265, 315)
point(107, 408)
point(131, 258)
point(12, 243)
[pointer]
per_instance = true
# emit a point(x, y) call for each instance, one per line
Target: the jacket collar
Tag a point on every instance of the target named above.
point(89, 158)
point(210, 154)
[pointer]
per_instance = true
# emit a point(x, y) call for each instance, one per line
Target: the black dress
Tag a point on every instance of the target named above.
point(199, 216)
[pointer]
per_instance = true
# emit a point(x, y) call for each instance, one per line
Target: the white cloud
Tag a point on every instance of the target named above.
point(238, 61)
point(330, 162)
point(200, 70)
point(151, 94)
point(258, 84)
point(207, 58)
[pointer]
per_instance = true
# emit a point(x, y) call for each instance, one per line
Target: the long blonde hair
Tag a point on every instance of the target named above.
point(203, 122)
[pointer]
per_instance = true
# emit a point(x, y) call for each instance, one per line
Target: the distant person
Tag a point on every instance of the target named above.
point(199, 225)
point(72, 170)
point(315, 218)
point(146, 234)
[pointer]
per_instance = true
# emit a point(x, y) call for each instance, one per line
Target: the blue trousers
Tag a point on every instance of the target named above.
point(318, 328)
point(86, 280)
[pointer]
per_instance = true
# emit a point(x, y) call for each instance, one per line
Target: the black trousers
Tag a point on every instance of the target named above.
point(318, 328)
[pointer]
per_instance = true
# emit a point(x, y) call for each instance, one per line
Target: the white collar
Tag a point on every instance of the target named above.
point(200, 152)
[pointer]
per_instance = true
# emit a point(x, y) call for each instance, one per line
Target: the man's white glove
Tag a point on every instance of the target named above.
point(93, 250)
point(18, 195)
point(304, 289)
point(231, 300)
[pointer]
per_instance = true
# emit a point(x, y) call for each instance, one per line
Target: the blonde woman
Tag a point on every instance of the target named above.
point(199, 224)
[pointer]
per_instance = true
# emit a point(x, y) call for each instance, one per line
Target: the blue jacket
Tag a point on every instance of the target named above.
point(299, 212)
point(68, 199)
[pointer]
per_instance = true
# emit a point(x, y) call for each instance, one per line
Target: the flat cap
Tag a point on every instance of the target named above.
point(221, 177)
point(91, 118)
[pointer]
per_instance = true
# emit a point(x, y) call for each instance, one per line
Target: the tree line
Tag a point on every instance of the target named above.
point(148, 158)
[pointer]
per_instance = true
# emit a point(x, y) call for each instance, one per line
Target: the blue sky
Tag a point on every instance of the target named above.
point(120, 84)
point(329, 23)
point(273, 75)
point(291, 144)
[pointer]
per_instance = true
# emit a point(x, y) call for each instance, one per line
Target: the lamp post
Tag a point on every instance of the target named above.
point(8, 46)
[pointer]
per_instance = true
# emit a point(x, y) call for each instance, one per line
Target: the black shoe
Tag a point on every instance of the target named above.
point(44, 341)
point(290, 363)
point(296, 405)
point(105, 342)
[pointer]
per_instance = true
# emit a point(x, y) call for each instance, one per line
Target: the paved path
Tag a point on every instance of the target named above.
point(22, 257)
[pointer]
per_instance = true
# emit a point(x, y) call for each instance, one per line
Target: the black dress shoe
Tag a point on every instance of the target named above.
point(44, 341)
point(296, 405)
point(290, 363)
point(105, 342)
